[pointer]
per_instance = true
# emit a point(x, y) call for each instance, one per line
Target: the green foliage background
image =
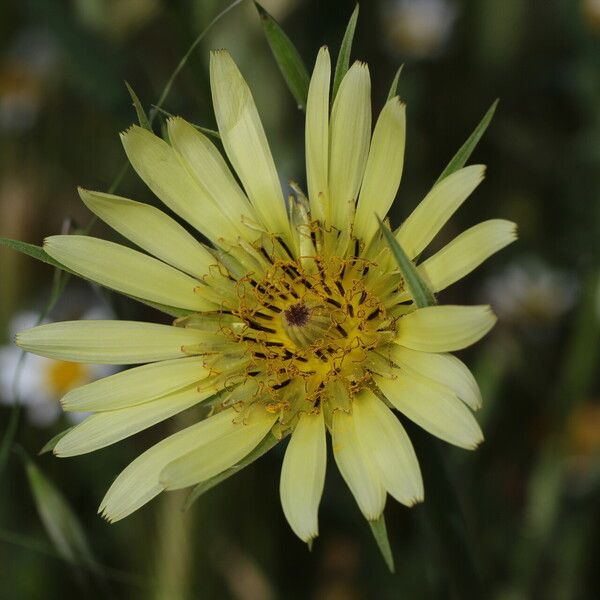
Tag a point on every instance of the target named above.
point(524, 508)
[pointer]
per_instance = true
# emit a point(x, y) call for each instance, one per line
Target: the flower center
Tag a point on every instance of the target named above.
point(310, 326)
point(297, 315)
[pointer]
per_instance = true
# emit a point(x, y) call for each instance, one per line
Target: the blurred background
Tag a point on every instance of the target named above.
point(523, 520)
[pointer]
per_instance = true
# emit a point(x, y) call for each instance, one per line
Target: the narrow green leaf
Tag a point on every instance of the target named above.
point(169, 85)
point(287, 56)
point(205, 130)
point(265, 445)
point(343, 61)
point(36, 252)
point(381, 537)
point(462, 156)
point(139, 109)
point(59, 520)
point(418, 289)
point(51, 443)
point(394, 87)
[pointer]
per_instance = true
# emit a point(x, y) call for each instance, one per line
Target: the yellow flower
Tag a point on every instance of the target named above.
point(298, 319)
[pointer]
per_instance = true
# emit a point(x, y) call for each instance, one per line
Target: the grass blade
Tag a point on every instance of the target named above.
point(51, 443)
point(462, 156)
point(394, 87)
point(32, 250)
point(418, 289)
point(287, 56)
point(139, 109)
point(343, 61)
point(59, 519)
point(167, 89)
point(379, 531)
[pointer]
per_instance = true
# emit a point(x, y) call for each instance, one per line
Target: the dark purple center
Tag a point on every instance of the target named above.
point(297, 314)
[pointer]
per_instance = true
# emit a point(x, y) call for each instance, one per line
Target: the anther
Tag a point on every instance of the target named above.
point(373, 314)
point(259, 327)
point(278, 386)
point(341, 330)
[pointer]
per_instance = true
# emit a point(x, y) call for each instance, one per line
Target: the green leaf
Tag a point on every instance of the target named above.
point(51, 443)
point(139, 109)
point(288, 58)
point(394, 87)
point(418, 289)
point(462, 156)
point(268, 442)
point(169, 85)
point(36, 252)
point(343, 61)
point(379, 531)
point(59, 520)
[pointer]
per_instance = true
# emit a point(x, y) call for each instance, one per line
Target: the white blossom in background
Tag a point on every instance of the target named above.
point(531, 291)
point(43, 381)
point(418, 28)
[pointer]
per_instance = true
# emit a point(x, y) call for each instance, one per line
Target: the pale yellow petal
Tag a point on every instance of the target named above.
point(350, 132)
point(444, 328)
point(152, 230)
point(161, 169)
point(207, 166)
point(126, 270)
point(443, 368)
point(356, 467)
point(303, 476)
point(434, 407)
point(245, 142)
point(466, 252)
point(383, 171)
point(138, 483)
point(436, 208)
point(108, 427)
point(205, 459)
point(136, 386)
point(108, 342)
point(389, 447)
point(317, 135)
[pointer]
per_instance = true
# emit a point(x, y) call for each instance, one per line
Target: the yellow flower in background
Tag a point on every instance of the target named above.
point(299, 321)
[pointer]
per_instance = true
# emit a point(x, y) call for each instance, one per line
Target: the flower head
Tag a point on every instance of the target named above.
point(295, 320)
